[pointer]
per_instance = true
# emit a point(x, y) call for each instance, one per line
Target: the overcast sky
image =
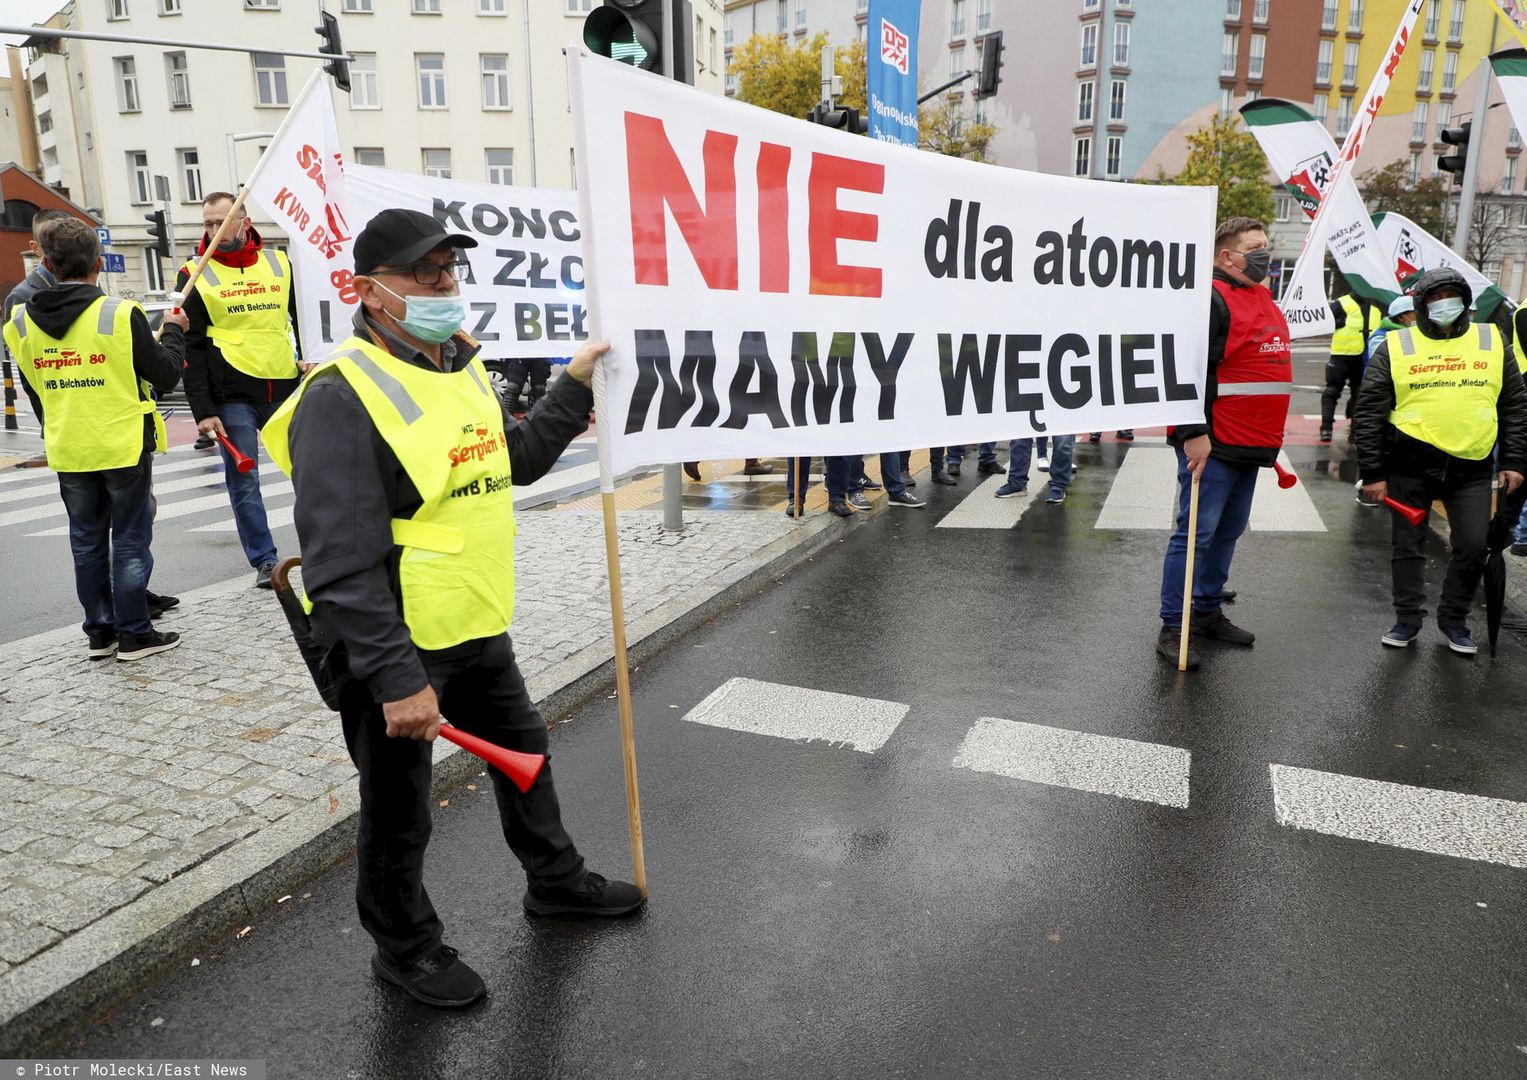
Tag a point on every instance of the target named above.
point(25, 13)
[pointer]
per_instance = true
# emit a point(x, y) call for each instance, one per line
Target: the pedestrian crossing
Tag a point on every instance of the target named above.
point(1355, 808)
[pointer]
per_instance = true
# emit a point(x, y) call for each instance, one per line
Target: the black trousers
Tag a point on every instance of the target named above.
point(482, 692)
point(1468, 517)
point(1341, 371)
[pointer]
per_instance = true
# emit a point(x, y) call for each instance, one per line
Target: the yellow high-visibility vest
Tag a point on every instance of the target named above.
point(93, 402)
point(1446, 391)
point(447, 429)
point(1350, 339)
point(247, 314)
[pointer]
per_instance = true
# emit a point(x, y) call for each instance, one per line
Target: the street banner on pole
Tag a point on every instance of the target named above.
point(1303, 155)
point(774, 288)
point(891, 80)
point(524, 295)
point(1412, 249)
point(1304, 304)
point(1510, 67)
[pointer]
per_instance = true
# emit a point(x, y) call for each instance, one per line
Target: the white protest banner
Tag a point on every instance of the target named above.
point(1411, 249)
point(1304, 304)
point(524, 294)
point(1303, 155)
point(775, 288)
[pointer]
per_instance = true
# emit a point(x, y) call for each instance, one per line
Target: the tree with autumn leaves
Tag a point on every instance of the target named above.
point(1223, 154)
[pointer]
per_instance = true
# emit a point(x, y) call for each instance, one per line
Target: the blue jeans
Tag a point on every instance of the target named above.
point(1062, 452)
point(836, 478)
point(111, 524)
point(890, 473)
point(1224, 507)
point(243, 421)
point(1520, 536)
point(986, 453)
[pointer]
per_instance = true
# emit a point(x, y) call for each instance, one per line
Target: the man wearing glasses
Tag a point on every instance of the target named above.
point(403, 460)
point(240, 358)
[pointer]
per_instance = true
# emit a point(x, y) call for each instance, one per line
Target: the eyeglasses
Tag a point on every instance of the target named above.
point(428, 273)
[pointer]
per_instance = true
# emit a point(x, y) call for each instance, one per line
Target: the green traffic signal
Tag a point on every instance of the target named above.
point(609, 31)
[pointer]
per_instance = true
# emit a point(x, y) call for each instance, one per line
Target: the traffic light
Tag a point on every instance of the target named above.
point(158, 232)
point(328, 34)
point(631, 31)
point(991, 65)
point(1459, 159)
point(837, 116)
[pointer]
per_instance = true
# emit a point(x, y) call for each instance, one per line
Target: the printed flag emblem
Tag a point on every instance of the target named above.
point(1309, 181)
point(1407, 256)
point(894, 46)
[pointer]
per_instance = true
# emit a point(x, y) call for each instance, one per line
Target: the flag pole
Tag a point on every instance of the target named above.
point(603, 434)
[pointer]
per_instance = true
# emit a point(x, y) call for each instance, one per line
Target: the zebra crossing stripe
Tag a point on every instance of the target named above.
point(191, 506)
point(46, 484)
point(1144, 496)
point(981, 509)
point(1144, 771)
point(800, 714)
point(189, 483)
point(1398, 815)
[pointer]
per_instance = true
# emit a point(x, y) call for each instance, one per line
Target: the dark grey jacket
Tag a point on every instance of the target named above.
point(350, 485)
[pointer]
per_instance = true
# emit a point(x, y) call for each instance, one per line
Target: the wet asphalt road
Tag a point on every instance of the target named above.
point(821, 912)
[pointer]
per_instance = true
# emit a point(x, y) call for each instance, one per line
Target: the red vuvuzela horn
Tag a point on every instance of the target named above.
point(241, 461)
point(1414, 514)
point(521, 769)
point(1286, 479)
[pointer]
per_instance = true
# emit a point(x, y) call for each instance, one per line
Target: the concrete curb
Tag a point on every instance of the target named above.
point(43, 1000)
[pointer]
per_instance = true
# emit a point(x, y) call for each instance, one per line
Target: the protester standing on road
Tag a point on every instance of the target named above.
point(39, 279)
point(1246, 397)
point(1355, 320)
point(90, 365)
point(239, 358)
point(403, 458)
point(1435, 400)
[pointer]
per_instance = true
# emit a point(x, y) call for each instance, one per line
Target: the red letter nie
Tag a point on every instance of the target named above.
point(827, 224)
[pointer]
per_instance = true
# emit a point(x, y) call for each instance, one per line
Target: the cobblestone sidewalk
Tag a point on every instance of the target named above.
point(117, 777)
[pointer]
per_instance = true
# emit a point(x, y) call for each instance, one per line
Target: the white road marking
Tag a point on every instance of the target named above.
point(46, 483)
point(1103, 764)
point(800, 714)
point(1144, 496)
point(191, 506)
point(1398, 815)
point(981, 509)
point(189, 483)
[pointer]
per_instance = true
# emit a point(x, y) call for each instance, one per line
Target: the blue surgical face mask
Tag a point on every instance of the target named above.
point(1445, 312)
point(431, 318)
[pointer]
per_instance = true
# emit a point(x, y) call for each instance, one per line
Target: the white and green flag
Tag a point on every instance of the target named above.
point(1510, 66)
point(1411, 249)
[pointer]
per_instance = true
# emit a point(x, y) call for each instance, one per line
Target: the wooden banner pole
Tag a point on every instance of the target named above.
point(1187, 585)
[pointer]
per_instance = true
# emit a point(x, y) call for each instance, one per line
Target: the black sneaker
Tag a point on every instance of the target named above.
point(906, 499)
point(1125, 434)
point(1228, 596)
point(437, 978)
point(1325, 434)
point(1095, 436)
point(592, 895)
point(1219, 628)
point(1519, 549)
point(262, 576)
point(840, 508)
point(949, 481)
point(1169, 645)
point(857, 500)
point(203, 442)
point(953, 468)
point(989, 468)
point(1459, 641)
point(1400, 635)
point(909, 482)
point(137, 646)
point(103, 644)
point(870, 485)
point(163, 603)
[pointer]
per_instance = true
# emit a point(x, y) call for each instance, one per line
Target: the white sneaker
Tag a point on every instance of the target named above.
point(1042, 463)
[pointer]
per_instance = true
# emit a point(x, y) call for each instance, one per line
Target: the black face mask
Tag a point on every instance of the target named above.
point(1257, 263)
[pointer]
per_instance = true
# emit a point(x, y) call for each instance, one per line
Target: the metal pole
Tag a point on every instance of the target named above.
point(530, 101)
point(10, 395)
point(829, 68)
point(1476, 144)
point(167, 43)
point(233, 156)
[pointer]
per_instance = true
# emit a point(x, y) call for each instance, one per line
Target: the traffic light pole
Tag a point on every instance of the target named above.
point(168, 43)
point(1464, 225)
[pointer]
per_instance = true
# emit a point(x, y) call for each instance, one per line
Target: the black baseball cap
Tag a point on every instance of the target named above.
point(401, 237)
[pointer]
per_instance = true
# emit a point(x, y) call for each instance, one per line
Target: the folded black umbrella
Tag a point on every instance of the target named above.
point(320, 661)
point(1498, 540)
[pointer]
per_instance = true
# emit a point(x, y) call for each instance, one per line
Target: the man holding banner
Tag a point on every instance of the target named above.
point(403, 461)
point(1246, 405)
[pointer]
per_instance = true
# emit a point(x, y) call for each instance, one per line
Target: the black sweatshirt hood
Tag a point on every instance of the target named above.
point(55, 310)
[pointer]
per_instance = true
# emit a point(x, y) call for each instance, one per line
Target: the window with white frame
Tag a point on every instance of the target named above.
point(1428, 63)
point(270, 79)
point(1258, 60)
point(1344, 116)
point(128, 98)
point(117, 9)
point(957, 62)
point(1328, 15)
point(1349, 65)
point(1444, 117)
point(437, 163)
point(371, 155)
point(1418, 122)
point(1113, 159)
point(1125, 4)
point(1355, 17)
point(1259, 11)
point(983, 16)
point(1253, 94)
point(500, 166)
point(1323, 56)
point(1085, 93)
point(365, 92)
point(1083, 156)
point(179, 77)
point(1116, 91)
point(1090, 5)
point(1318, 108)
point(1121, 44)
point(1508, 178)
point(981, 111)
point(784, 16)
point(169, 7)
point(1233, 10)
point(426, 7)
point(1450, 73)
point(574, 7)
point(1433, 17)
point(431, 71)
point(495, 80)
point(1414, 171)
point(498, 7)
point(190, 174)
point(1514, 139)
point(1455, 23)
point(1282, 206)
point(139, 186)
point(1436, 164)
point(1090, 45)
point(1226, 101)
point(956, 18)
point(358, 7)
point(731, 82)
point(1229, 51)
point(263, 5)
point(800, 14)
